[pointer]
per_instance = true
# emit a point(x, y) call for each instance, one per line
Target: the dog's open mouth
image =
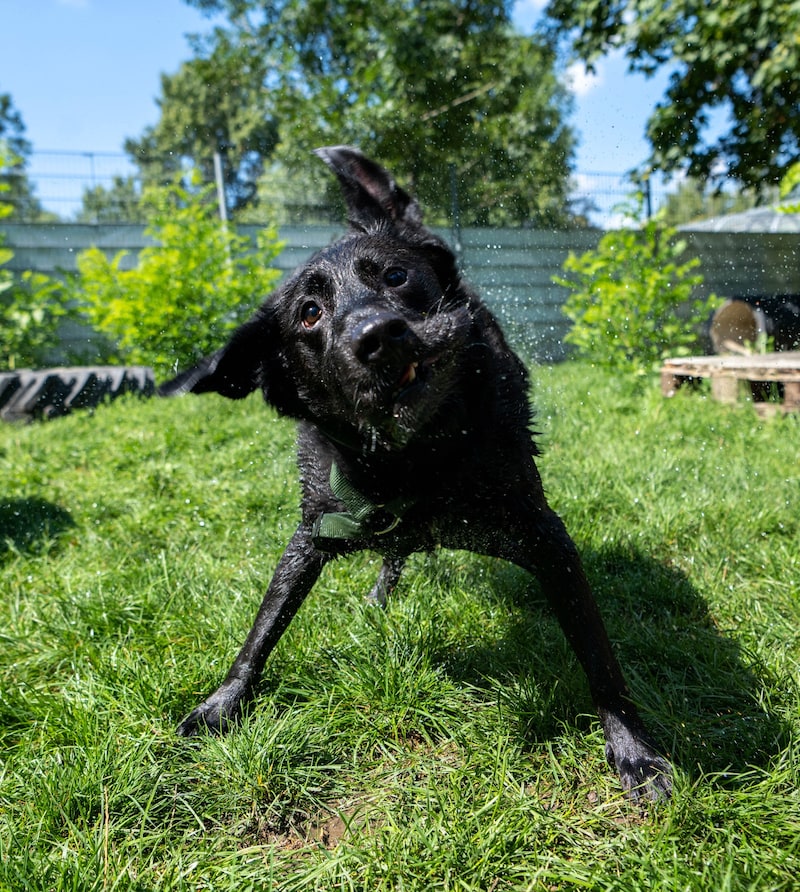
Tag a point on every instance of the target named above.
point(408, 377)
point(412, 378)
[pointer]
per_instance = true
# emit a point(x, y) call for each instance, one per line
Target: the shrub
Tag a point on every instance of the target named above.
point(631, 303)
point(187, 292)
point(32, 306)
point(32, 311)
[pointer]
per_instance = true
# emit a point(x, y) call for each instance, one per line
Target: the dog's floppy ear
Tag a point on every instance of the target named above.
point(234, 371)
point(252, 359)
point(371, 194)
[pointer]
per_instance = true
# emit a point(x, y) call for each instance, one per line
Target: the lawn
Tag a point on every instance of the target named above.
point(447, 743)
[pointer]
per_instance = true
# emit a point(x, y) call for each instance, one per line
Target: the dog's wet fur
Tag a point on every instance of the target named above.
point(414, 431)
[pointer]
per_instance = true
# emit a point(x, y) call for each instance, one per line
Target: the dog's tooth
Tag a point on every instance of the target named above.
point(409, 375)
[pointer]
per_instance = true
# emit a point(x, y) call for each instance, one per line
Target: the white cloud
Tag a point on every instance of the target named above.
point(581, 81)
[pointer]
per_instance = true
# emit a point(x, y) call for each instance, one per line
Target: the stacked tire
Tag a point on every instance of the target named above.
point(26, 395)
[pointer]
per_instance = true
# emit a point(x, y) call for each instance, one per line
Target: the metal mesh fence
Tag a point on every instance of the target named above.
point(61, 180)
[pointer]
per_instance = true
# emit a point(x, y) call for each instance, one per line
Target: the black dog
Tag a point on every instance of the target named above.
point(413, 432)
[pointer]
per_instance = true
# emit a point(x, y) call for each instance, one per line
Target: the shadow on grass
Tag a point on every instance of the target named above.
point(712, 706)
point(29, 526)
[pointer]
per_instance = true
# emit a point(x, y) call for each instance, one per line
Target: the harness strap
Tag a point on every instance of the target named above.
point(362, 518)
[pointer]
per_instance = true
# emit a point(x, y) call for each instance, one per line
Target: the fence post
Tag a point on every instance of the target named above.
point(223, 205)
point(455, 210)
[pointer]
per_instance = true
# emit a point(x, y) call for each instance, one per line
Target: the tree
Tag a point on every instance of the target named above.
point(790, 190)
point(25, 207)
point(213, 104)
point(741, 57)
point(444, 92)
point(692, 201)
point(120, 203)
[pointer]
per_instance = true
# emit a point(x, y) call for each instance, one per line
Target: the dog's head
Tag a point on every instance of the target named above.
point(363, 340)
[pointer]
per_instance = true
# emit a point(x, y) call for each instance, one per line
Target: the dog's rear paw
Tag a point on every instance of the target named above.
point(644, 774)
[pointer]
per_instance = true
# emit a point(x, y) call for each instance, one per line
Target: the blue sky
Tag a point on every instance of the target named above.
point(85, 75)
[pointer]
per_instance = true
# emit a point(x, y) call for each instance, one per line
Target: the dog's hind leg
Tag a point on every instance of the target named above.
point(296, 573)
point(387, 581)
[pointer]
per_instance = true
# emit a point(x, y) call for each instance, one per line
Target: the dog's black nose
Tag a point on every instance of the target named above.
point(379, 337)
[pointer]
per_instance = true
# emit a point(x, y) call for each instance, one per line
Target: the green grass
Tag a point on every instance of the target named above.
point(446, 744)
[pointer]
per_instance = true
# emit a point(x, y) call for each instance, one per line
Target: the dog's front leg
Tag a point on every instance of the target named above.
point(297, 571)
point(642, 771)
point(543, 546)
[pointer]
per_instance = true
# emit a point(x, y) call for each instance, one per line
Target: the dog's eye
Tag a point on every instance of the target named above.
point(395, 277)
point(310, 314)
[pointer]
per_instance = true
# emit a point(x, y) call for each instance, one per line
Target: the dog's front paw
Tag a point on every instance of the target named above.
point(215, 715)
point(643, 773)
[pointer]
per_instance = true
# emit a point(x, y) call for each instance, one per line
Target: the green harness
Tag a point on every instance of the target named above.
point(362, 518)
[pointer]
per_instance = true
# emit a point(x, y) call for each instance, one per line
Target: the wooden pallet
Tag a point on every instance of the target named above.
point(762, 373)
